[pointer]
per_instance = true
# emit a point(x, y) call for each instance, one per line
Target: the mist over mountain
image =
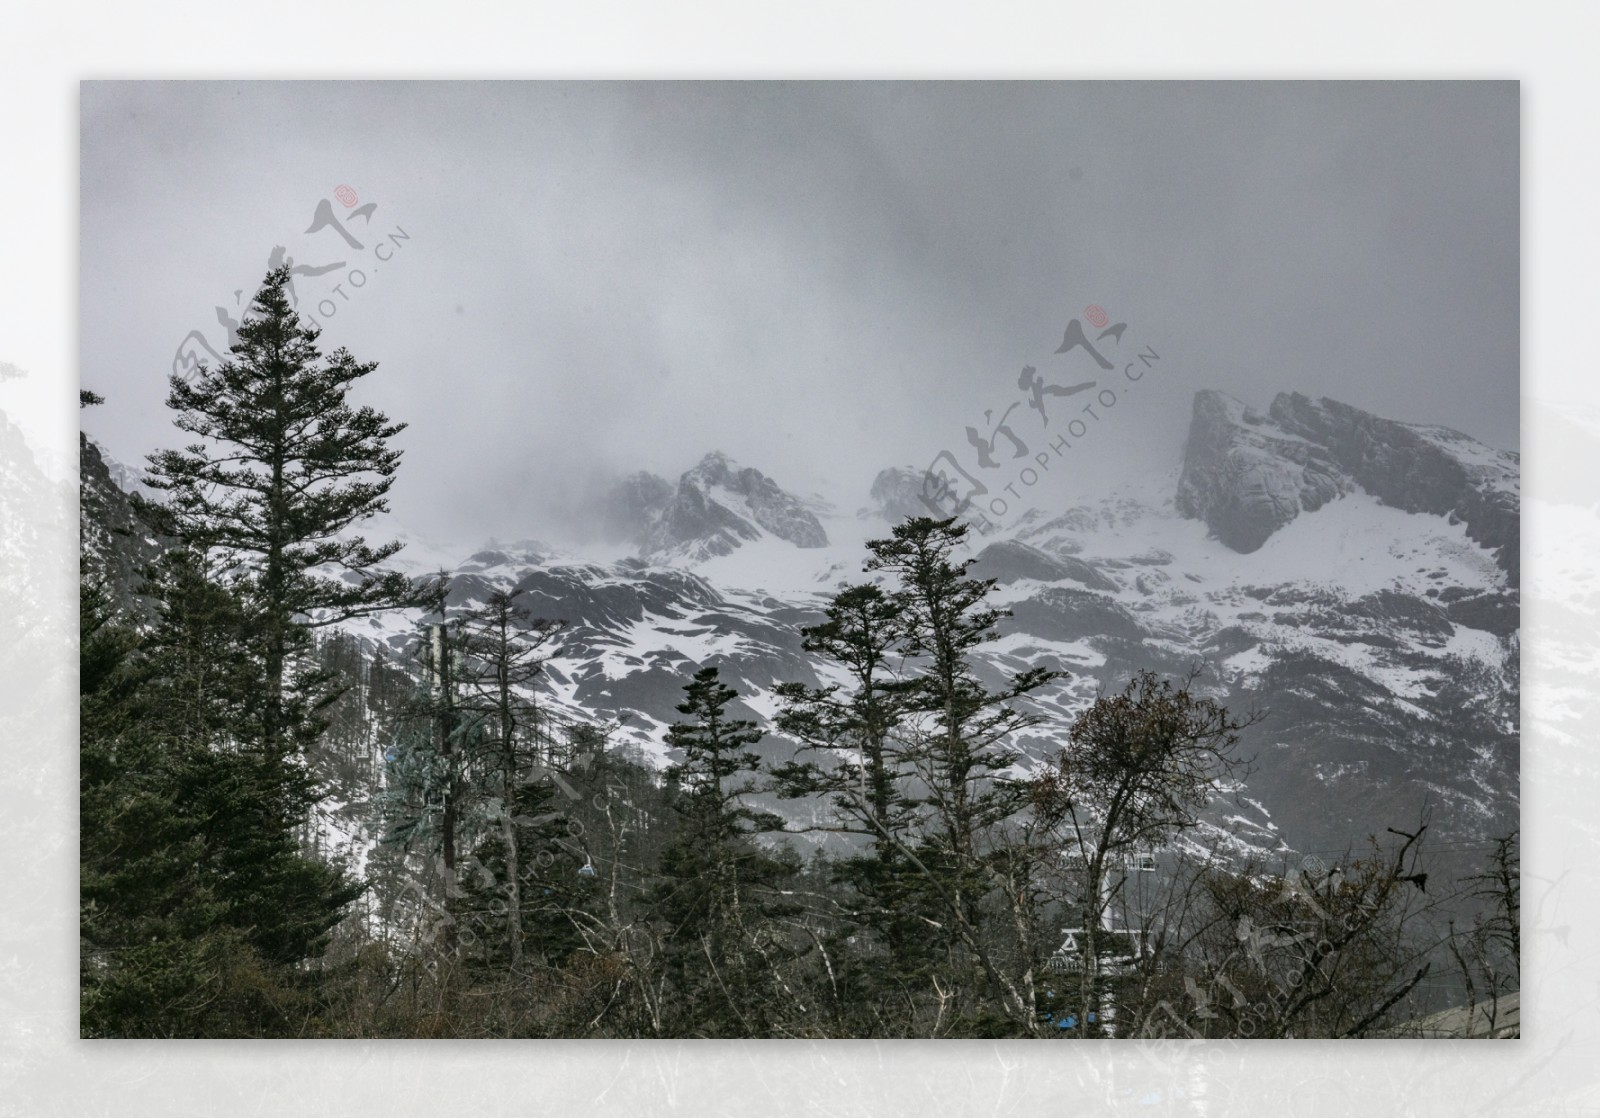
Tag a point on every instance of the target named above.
point(729, 559)
point(1354, 577)
point(715, 507)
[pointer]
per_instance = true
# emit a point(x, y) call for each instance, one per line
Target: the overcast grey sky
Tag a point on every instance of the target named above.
point(819, 279)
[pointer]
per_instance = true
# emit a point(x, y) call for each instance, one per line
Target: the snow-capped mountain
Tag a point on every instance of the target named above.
point(1353, 576)
point(1247, 475)
point(715, 507)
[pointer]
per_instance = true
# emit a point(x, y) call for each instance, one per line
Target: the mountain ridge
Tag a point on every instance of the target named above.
point(715, 507)
point(1247, 474)
point(1379, 630)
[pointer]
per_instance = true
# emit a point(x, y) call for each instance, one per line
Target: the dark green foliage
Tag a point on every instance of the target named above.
point(197, 902)
point(284, 465)
point(956, 739)
point(850, 756)
point(717, 898)
point(532, 880)
point(536, 924)
point(202, 912)
point(964, 743)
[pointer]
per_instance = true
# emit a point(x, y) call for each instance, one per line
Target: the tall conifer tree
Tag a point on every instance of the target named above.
point(716, 896)
point(284, 467)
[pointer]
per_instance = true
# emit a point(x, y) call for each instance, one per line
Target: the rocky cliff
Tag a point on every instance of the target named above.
point(115, 543)
point(715, 508)
point(1247, 475)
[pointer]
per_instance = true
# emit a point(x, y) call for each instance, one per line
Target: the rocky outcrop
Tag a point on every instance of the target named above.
point(715, 507)
point(1245, 477)
point(116, 545)
point(897, 494)
point(697, 527)
point(633, 507)
point(780, 513)
point(1499, 613)
point(1418, 468)
point(1007, 561)
point(1068, 614)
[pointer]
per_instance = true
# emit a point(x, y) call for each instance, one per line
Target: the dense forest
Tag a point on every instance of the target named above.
point(532, 878)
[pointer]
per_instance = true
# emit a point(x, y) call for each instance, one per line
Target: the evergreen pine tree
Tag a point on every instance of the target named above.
point(957, 736)
point(428, 804)
point(196, 787)
point(500, 642)
point(283, 469)
point(849, 755)
point(198, 905)
point(716, 896)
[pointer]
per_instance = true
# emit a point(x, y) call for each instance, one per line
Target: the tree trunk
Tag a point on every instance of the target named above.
point(447, 822)
point(508, 743)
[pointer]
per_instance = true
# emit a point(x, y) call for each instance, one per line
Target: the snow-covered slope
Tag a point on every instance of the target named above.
point(1353, 577)
point(1377, 630)
point(1247, 475)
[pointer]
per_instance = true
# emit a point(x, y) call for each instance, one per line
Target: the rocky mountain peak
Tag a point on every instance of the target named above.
point(1247, 475)
point(897, 493)
point(633, 505)
point(716, 506)
point(717, 469)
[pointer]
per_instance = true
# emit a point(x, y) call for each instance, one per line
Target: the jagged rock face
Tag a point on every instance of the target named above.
point(696, 526)
point(1420, 469)
point(629, 629)
point(1248, 475)
point(897, 494)
point(1496, 612)
point(115, 543)
point(780, 513)
point(1246, 478)
point(716, 507)
point(634, 506)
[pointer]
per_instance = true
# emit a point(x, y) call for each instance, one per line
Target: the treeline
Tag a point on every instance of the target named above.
point(529, 879)
point(538, 883)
